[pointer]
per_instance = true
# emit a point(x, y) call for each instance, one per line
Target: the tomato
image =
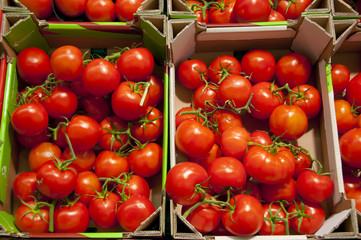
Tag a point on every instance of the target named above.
point(147, 161)
point(103, 210)
point(78, 87)
point(109, 164)
point(60, 138)
point(205, 218)
point(33, 65)
point(150, 127)
point(210, 157)
point(54, 182)
point(30, 141)
point(100, 77)
point(352, 91)
point(252, 10)
point(279, 191)
point(294, 69)
point(181, 115)
point(62, 102)
point(73, 8)
point(205, 97)
point(259, 65)
point(182, 180)
point(302, 162)
point(125, 9)
point(356, 195)
point(84, 159)
point(193, 139)
point(71, 218)
point(351, 182)
point(67, 63)
point(291, 9)
point(199, 10)
point(268, 168)
point(273, 215)
point(349, 147)
point(100, 10)
point(127, 102)
point(260, 137)
point(345, 116)
point(221, 120)
point(37, 95)
point(223, 66)
point(275, 16)
point(109, 138)
point(83, 132)
point(41, 8)
point(24, 186)
point(223, 12)
point(265, 99)
point(134, 185)
point(192, 73)
point(230, 89)
point(251, 188)
point(132, 212)
point(288, 121)
point(32, 218)
point(234, 142)
point(42, 153)
point(30, 119)
point(358, 121)
point(156, 90)
point(226, 172)
point(309, 225)
point(136, 64)
point(309, 101)
point(246, 218)
point(87, 184)
point(95, 107)
point(340, 75)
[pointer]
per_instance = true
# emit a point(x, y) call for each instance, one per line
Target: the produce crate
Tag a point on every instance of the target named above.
point(187, 41)
point(341, 10)
point(20, 31)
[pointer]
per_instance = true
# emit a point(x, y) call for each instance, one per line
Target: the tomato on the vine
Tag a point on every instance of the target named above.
point(252, 10)
point(192, 73)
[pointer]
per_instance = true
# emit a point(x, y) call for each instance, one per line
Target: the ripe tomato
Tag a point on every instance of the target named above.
point(108, 164)
point(192, 73)
point(246, 218)
point(223, 66)
point(84, 159)
point(310, 100)
point(267, 167)
point(223, 12)
point(193, 139)
point(234, 142)
point(259, 64)
point(275, 16)
point(356, 195)
point(340, 77)
point(87, 184)
point(199, 10)
point(294, 69)
point(33, 65)
point(351, 182)
point(125, 9)
point(67, 63)
point(136, 64)
point(136, 185)
point(24, 186)
point(109, 138)
point(273, 223)
point(78, 87)
point(72, 8)
point(352, 91)
point(30, 141)
point(230, 89)
point(292, 10)
point(156, 90)
point(210, 157)
point(95, 107)
point(103, 210)
point(252, 10)
point(349, 147)
point(302, 162)
point(181, 181)
point(30, 119)
point(32, 220)
point(71, 218)
point(42, 153)
point(41, 8)
point(279, 191)
point(100, 10)
point(260, 137)
point(100, 77)
point(288, 121)
point(132, 212)
point(181, 116)
point(204, 97)
point(345, 116)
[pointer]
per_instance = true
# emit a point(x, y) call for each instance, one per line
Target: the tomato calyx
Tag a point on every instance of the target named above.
point(122, 179)
point(202, 7)
point(219, 6)
point(63, 165)
point(300, 213)
point(274, 218)
point(224, 72)
point(141, 88)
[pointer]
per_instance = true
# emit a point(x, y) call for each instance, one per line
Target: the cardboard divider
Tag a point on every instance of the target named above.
point(13, 158)
point(188, 41)
point(341, 10)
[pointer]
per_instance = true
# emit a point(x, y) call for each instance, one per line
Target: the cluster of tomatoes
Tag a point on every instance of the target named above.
point(93, 10)
point(240, 182)
point(347, 108)
point(233, 11)
point(92, 129)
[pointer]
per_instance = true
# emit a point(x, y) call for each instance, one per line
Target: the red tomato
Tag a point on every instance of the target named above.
point(147, 161)
point(205, 96)
point(294, 69)
point(251, 188)
point(125, 9)
point(41, 8)
point(246, 218)
point(78, 87)
point(24, 186)
point(192, 73)
point(222, 12)
point(193, 139)
point(275, 16)
point(223, 119)
point(84, 159)
point(356, 195)
point(30, 141)
point(32, 220)
point(340, 77)
point(103, 210)
point(230, 89)
point(345, 116)
point(42, 153)
point(100, 10)
point(110, 138)
point(210, 157)
point(67, 63)
point(108, 164)
point(136, 64)
point(259, 64)
point(350, 148)
point(269, 168)
point(223, 66)
point(71, 218)
point(100, 77)
point(353, 91)
point(182, 116)
point(273, 223)
point(302, 162)
point(73, 8)
point(134, 185)
point(132, 212)
point(351, 182)
point(181, 181)
point(226, 172)
point(252, 10)
point(260, 137)
point(309, 100)
point(199, 10)
point(279, 191)
point(156, 90)
point(30, 119)
point(234, 142)
point(288, 121)
point(33, 65)
point(95, 107)
point(292, 10)
point(87, 184)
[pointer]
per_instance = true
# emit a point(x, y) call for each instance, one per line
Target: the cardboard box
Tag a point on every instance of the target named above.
point(186, 40)
point(341, 10)
point(20, 31)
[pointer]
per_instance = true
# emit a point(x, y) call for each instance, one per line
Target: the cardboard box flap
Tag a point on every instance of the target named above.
point(178, 9)
point(341, 10)
point(318, 6)
point(183, 229)
point(150, 7)
point(150, 227)
point(12, 6)
point(270, 237)
point(342, 30)
point(333, 222)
